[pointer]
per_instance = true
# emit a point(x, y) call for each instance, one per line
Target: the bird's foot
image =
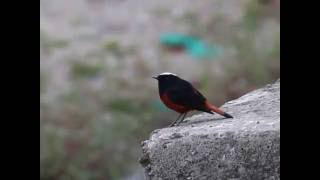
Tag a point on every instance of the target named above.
point(172, 124)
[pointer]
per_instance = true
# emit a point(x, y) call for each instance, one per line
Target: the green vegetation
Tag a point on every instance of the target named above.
point(253, 15)
point(84, 70)
point(48, 44)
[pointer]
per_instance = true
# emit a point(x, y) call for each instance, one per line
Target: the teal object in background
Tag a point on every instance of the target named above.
point(194, 46)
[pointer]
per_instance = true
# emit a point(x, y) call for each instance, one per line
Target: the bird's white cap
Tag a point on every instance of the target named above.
point(167, 73)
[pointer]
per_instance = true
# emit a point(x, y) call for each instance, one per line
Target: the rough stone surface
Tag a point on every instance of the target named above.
point(211, 147)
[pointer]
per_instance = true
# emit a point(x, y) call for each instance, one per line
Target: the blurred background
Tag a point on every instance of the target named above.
point(97, 98)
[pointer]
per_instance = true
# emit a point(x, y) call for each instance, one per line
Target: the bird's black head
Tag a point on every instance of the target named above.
point(166, 80)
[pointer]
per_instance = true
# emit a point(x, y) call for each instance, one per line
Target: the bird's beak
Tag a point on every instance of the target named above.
point(155, 77)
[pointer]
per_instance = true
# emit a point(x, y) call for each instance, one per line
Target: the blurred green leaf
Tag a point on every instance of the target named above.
point(84, 70)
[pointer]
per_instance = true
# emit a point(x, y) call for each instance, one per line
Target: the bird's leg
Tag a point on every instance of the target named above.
point(182, 118)
point(175, 120)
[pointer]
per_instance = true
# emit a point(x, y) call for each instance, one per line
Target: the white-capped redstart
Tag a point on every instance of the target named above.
point(180, 96)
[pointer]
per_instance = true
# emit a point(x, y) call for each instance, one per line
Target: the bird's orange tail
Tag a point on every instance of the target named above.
point(217, 110)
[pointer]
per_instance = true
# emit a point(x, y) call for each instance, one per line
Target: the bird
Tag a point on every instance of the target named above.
point(180, 96)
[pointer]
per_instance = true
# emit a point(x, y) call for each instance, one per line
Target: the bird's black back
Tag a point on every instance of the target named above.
point(183, 93)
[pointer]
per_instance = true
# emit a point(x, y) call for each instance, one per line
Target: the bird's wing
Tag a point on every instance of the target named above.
point(188, 96)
